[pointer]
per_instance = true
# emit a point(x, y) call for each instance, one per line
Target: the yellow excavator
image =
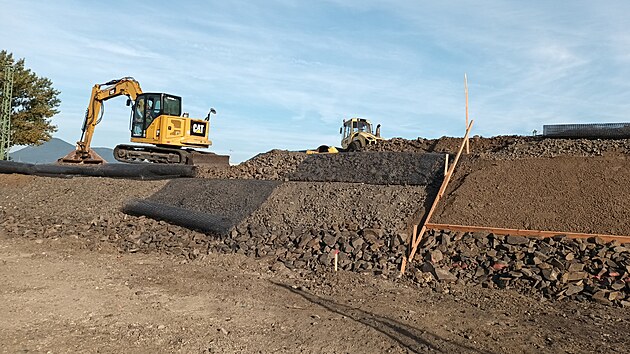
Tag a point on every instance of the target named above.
point(170, 136)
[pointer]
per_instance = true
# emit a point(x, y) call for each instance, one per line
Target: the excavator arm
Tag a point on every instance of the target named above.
point(100, 93)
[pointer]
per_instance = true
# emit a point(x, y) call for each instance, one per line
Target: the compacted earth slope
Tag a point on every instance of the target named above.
point(572, 194)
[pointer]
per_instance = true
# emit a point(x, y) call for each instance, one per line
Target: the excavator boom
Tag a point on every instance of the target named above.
point(83, 153)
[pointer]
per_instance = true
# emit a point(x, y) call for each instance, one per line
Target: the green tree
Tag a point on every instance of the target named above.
point(34, 103)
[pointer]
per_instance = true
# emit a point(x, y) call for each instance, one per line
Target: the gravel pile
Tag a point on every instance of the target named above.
point(375, 250)
point(272, 165)
point(299, 224)
point(527, 148)
point(372, 167)
point(126, 233)
point(509, 147)
point(358, 167)
point(444, 144)
point(555, 268)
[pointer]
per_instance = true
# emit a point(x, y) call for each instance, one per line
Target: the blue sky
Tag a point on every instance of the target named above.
point(284, 73)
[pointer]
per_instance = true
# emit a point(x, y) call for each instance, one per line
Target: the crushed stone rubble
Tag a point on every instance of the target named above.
point(553, 268)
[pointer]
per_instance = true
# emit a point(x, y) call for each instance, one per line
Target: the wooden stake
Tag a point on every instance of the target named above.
point(441, 191)
point(445, 164)
point(414, 234)
point(466, 93)
point(336, 259)
point(403, 266)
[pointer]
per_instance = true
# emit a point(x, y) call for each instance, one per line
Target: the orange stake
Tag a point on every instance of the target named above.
point(525, 232)
point(415, 239)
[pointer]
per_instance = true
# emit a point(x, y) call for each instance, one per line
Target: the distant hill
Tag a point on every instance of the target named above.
point(52, 150)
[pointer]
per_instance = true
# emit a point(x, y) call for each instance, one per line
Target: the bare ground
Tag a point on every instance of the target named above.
point(58, 297)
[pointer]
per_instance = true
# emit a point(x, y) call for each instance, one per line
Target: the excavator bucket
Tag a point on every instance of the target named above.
point(76, 157)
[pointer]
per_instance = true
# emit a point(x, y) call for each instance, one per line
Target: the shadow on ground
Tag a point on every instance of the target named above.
point(413, 339)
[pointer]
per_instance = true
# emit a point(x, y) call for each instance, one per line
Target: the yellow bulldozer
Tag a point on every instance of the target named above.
point(358, 133)
point(169, 136)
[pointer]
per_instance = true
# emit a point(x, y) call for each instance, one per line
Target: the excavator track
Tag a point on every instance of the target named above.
point(171, 156)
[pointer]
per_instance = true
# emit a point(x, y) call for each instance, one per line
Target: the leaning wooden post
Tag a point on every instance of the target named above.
point(466, 93)
point(415, 241)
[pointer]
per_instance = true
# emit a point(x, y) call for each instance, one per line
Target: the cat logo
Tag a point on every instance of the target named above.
point(198, 128)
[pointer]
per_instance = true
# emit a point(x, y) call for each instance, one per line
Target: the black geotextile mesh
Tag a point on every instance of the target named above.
point(390, 168)
point(130, 171)
point(191, 219)
point(213, 206)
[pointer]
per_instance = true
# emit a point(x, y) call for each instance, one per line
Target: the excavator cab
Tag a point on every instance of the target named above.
point(148, 107)
point(156, 118)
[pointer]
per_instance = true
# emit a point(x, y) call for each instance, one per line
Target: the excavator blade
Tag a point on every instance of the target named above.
point(76, 157)
point(208, 159)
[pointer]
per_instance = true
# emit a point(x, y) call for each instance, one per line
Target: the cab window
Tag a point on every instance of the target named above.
point(364, 127)
point(152, 110)
point(172, 105)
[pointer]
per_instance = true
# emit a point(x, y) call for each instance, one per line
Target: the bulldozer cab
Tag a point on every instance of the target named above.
point(148, 107)
point(357, 133)
point(356, 125)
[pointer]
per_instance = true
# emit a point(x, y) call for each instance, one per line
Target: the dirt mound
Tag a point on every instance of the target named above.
point(569, 194)
point(359, 167)
point(299, 223)
point(510, 146)
point(272, 165)
point(302, 224)
point(442, 145)
point(537, 147)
